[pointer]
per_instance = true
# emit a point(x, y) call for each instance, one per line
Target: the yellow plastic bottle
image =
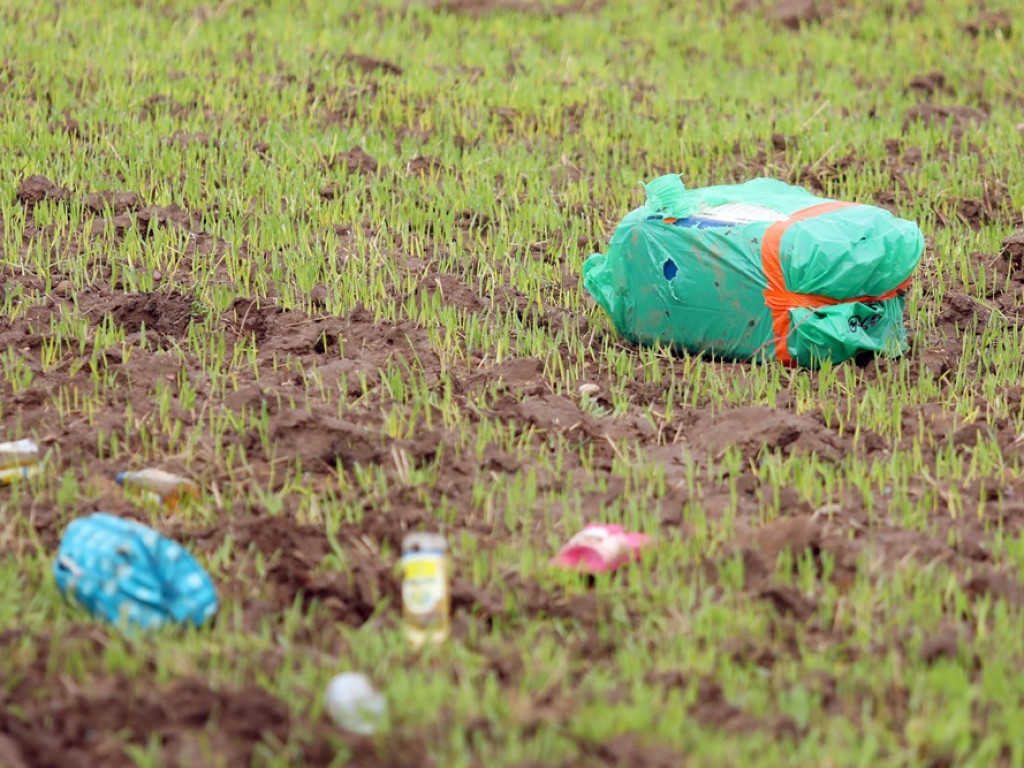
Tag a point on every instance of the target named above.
point(426, 596)
point(19, 459)
point(161, 487)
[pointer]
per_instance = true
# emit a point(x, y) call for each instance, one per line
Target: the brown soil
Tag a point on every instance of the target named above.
point(36, 189)
point(73, 726)
point(369, 64)
point(990, 23)
point(482, 7)
point(929, 84)
point(1013, 252)
point(354, 161)
point(793, 14)
point(957, 120)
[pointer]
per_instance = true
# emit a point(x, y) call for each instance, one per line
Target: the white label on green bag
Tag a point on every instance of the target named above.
point(742, 213)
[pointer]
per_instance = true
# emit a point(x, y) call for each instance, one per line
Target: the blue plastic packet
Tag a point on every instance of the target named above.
point(127, 573)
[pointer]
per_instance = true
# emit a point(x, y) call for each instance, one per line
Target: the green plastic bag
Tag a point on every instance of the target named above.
point(757, 270)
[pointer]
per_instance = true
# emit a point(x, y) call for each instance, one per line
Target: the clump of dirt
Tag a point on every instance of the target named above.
point(910, 8)
point(853, 547)
point(822, 173)
point(997, 280)
point(425, 166)
point(355, 161)
point(482, 7)
point(77, 726)
point(329, 191)
point(164, 313)
point(354, 597)
point(975, 211)
point(519, 372)
point(320, 441)
point(994, 285)
point(797, 534)
point(990, 23)
point(753, 429)
point(787, 600)
point(629, 749)
point(1000, 586)
point(369, 64)
point(473, 221)
point(162, 104)
point(36, 189)
point(781, 142)
point(160, 216)
point(960, 311)
point(367, 345)
point(144, 220)
point(944, 643)
point(113, 202)
point(955, 119)
point(68, 125)
point(929, 84)
point(451, 291)
point(529, 599)
point(185, 139)
point(190, 720)
point(1013, 249)
point(551, 411)
point(901, 157)
point(794, 14)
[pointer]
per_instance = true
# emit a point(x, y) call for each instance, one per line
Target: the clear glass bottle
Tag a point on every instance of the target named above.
point(19, 459)
point(161, 487)
point(426, 595)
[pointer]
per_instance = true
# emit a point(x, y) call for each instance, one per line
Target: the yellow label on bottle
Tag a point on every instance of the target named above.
point(424, 586)
point(421, 568)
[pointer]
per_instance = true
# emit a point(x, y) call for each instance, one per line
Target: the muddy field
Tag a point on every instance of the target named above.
point(838, 553)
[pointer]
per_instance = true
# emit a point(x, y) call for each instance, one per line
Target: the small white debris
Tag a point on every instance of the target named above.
point(354, 704)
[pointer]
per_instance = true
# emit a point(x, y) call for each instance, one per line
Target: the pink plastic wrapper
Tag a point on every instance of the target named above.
point(599, 548)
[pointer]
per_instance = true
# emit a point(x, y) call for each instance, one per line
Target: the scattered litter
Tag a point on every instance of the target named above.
point(354, 704)
point(601, 547)
point(19, 459)
point(426, 597)
point(158, 486)
point(755, 270)
point(127, 573)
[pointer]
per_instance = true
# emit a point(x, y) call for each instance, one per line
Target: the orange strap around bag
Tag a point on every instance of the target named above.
point(780, 300)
